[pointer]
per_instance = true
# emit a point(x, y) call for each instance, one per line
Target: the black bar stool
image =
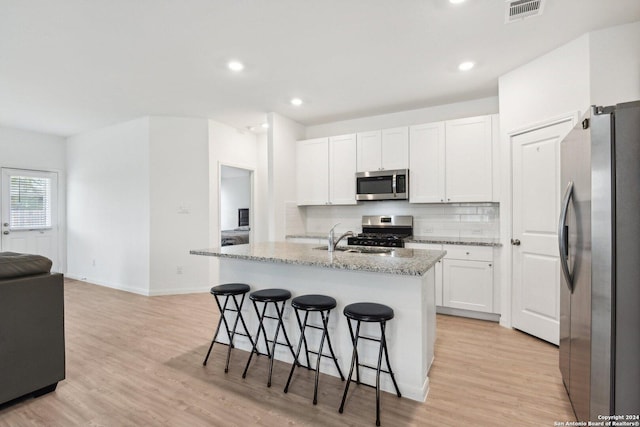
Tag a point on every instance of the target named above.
point(229, 290)
point(369, 312)
point(323, 305)
point(267, 296)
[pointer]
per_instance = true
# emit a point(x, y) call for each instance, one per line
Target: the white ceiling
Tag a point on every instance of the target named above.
point(68, 66)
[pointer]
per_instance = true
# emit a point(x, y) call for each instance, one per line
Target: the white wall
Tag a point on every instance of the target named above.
point(108, 206)
point(260, 224)
point(179, 204)
point(553, 84)
point(235, 193)
point(615, 64)
point(477, 107)
point(22, 149)
point(283, 134)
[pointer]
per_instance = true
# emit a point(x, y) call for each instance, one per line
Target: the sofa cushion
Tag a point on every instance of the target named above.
point(18, 265)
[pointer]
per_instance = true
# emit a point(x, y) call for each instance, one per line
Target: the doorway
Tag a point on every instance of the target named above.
point(235, 205)
point(29, 213)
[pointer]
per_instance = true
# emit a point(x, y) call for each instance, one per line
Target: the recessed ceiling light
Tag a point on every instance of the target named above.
point(296, 101)
point(456, 1)
point(265, 125)
point(466, 66)
point(235, 66)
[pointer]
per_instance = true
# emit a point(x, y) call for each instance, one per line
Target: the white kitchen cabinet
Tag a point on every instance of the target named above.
point(369, 151)
point(312, 171)
point(427, 163)
point(395, 148)
point(385, 149)
point(469, 159)
point(467, 278)
point(342, 170)
point(463, 279)
point(325, 171)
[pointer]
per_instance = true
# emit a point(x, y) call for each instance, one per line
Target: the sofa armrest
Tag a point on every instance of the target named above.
point(31, 334)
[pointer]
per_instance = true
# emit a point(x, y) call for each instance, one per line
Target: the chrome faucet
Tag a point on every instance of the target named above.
point(333, 243)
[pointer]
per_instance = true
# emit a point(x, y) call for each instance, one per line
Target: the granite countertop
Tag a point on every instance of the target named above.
point(472, 241)
point(408, 262)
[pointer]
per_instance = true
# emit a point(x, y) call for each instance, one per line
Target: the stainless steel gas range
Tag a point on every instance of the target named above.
point(384, 231)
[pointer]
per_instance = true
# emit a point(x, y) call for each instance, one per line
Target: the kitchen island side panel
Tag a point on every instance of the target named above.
point(410, 334)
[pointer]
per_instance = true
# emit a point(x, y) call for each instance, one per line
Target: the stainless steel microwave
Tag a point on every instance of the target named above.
point(383, 185)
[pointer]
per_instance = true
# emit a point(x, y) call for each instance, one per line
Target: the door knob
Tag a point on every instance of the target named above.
point(515, 242)
point(5, 232)
point(6, 224)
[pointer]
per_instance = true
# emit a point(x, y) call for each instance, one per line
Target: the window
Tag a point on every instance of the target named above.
point(30, 205)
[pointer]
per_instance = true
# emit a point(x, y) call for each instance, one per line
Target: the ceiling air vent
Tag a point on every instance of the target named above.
point(520, 9)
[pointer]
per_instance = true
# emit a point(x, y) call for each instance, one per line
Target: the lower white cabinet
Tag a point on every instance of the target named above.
point(467, 285)
point(464, 277)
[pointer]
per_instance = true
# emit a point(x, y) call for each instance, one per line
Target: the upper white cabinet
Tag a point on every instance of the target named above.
point(312, 171)
point(452, 161)
point(383, 150)
point(469, 155)
point(369, 151)
point(427, 163)
point(325, 171)
point(342, 170)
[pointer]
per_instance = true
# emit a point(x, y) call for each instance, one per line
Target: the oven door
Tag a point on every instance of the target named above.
point(382, 185)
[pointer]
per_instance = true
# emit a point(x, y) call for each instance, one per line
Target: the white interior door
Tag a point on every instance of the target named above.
point(536, 206)
point(29, 211)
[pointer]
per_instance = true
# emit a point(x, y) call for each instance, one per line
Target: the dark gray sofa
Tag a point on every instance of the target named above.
point(32, 359)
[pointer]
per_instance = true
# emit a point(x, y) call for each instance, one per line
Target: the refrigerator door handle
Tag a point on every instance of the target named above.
point(563, 236)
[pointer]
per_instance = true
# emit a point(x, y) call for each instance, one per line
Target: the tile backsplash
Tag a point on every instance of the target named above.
point(438, 220)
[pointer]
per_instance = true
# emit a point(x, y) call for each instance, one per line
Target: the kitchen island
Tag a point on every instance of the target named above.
point(400, 278)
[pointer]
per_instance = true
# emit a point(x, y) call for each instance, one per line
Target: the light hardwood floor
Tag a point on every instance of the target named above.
point(137, 361)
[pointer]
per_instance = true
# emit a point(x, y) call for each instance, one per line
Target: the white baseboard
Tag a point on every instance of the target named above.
point(120, 287)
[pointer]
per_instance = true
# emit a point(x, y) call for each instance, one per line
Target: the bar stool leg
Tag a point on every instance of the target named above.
point(304, 339)
point(232, 334)
point(303, 326)
point(354, 340)
point(215, 335)
point(383, 327)
point(244, 325)
point(378, 375)
point(255, 344)
point(280, 325)
point(324, 334)
point(333, 355)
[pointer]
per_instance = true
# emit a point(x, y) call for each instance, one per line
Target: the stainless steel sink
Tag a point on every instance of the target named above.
point(358, 250)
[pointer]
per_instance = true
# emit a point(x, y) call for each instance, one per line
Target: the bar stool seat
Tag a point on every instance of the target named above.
point(323, 305)
point(368, 312)
point(270, 295)
point(373, 313)
point(275, 296)
point(313, 303)
point(227, 290)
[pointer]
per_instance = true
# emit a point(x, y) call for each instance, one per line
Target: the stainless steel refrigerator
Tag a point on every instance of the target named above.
point(599, 242)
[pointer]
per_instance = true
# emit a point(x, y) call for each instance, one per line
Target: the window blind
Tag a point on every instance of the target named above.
point(30, 204)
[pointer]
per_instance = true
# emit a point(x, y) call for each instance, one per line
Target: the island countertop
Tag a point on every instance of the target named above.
point(408, 262)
